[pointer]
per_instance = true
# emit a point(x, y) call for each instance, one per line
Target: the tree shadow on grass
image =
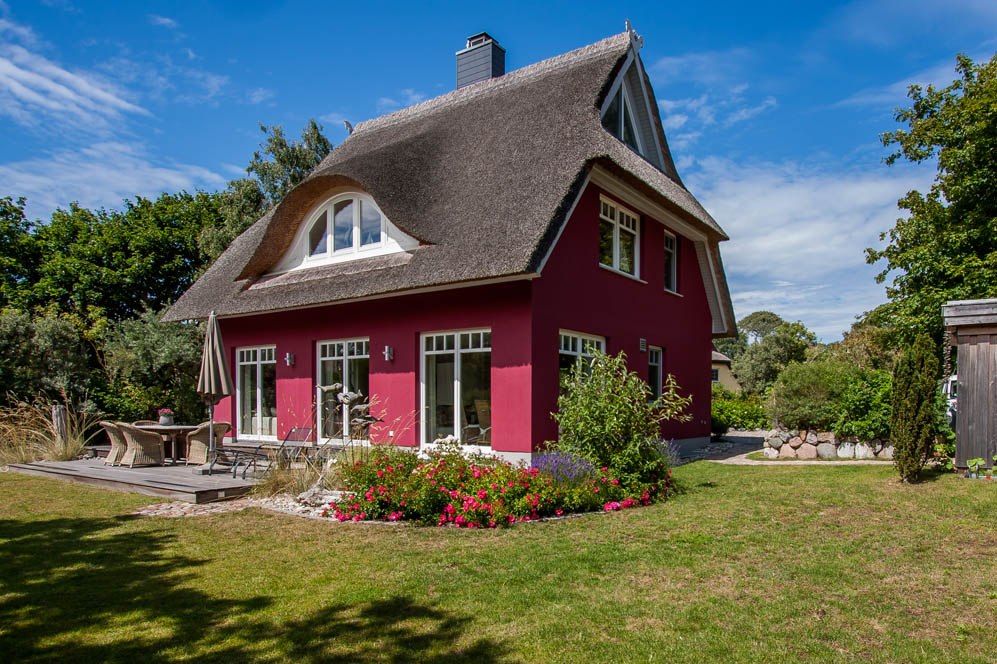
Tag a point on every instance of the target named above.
point(90, 590)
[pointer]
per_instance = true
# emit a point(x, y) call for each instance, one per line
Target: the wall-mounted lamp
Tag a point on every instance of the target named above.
point(389, 353)
point(289, 359)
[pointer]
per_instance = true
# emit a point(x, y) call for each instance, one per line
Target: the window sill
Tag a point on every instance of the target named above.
point(622, 273)
point(669, 291)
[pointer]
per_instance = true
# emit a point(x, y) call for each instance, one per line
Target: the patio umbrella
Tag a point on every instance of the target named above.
point(215, 381)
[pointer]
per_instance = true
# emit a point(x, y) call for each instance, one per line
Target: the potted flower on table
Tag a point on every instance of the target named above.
point(165, 416)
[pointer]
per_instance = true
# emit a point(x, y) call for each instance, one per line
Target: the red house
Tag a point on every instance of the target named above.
point(453, 258)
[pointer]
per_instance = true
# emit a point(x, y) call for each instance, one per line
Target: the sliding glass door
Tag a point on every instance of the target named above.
point(456, 386)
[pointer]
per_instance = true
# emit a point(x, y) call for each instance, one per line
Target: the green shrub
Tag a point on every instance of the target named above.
point(739, 412)
point(913, 425)
point(606, 415)
point(807, 395)
point(866, 406)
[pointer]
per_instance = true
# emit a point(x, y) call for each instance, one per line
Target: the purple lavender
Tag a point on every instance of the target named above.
point(565, 467)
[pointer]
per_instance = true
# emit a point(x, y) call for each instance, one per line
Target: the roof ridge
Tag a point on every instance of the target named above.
point(475, 90)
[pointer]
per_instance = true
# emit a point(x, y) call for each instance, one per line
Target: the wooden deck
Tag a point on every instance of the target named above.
point(174, 482)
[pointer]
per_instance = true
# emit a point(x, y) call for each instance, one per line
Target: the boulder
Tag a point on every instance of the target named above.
point(812, 437)
point(795, 442)
point(846, 450)
point(775, 442)
point(864, 451)
point(784, 435)
point(787, 452)
point(807, 451)
point(826, 450)
point(885, 453)
point(771, 453)
point(825, 437)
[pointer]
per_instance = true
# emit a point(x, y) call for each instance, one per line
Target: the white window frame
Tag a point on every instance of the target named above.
point(579, 344)
point(393, 240)
point(656, 353)
point(672, 280)
point(624, 220)
point(258, 364)
point(457, 351)
point(344, 358)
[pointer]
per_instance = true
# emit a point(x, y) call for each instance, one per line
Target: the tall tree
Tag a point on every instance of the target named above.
point(946, 248)
point(759, 324)
point(18, 253)
point(912, 425)
point(758, 367)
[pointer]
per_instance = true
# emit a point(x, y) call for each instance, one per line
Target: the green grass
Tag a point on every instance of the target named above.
point(748, 564)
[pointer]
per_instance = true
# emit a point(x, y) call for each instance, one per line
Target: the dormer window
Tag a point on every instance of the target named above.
point(619, 120)
point(348, 226)
point(627, 113)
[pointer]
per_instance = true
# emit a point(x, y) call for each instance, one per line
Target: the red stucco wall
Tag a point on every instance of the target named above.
point(398, 322)
point(575, 293)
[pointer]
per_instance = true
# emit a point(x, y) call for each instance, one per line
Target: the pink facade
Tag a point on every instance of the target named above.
point(572, 293)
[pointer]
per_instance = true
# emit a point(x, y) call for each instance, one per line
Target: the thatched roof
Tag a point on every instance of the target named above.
point(483, 177)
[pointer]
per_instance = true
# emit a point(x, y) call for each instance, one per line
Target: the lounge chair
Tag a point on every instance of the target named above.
point(198, 441)
point(143, 447)
point(118, 443)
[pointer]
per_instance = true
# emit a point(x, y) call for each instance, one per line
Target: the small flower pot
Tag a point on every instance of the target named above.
point(166, 420)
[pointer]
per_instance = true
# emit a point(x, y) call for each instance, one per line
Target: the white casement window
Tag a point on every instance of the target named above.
point(343, 366)
point(671, 263)
point(654, 371)
point(619, 238)
point(576, 348)
point(256, 393)
point(457, 386)
point(346, 227)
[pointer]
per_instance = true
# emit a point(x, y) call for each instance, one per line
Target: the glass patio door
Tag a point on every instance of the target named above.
point(256, 400)
point(457, 387)
point(346, 364)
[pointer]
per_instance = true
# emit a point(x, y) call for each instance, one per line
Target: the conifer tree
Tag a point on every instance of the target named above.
point(913, 422)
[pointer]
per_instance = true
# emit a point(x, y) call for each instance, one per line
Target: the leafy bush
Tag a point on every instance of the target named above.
point(806, 395)
point(730, 410)
point(451, 489)
point(606, 415)
point(866, 406)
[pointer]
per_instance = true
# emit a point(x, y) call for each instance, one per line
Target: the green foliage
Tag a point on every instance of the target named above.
point(806, 395)
point(870, 344)
point(153, 364)
point(28, 432)
point(606, 415)
point(913, 425)
point(946, 247)
point(759, 324)
point(866, 406)
point(41, 356)
point(732, 410)
point(18, 255)
point(759, 366)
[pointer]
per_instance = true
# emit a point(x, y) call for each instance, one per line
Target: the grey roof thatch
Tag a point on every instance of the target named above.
point(482, 177)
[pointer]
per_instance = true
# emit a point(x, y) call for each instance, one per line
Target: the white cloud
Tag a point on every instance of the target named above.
point(99, 175)
point(406, 97)
point(798, 234)
point(895, 94)
point(259, 95)
point(711, 68)
point(16, 31)
point(675, 121)
point(746, 113)
point(34, 90)
point(163, 21)
point(888, 22)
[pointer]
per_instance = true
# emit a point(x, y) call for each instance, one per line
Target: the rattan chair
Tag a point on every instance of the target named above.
point(118, 443)
point(144, 447)
point(198, 441)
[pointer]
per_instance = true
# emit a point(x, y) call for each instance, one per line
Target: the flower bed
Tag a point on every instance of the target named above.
point(450, 489)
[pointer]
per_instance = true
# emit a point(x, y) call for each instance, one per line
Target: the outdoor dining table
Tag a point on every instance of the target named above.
point(171, 431)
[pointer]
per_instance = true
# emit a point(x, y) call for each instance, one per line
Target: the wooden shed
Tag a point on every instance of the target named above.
point(972, 328)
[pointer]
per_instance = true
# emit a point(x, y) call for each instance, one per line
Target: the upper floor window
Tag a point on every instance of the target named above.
point(619, 237)
point(619, 120)
point(671, 263)
point(346, 227)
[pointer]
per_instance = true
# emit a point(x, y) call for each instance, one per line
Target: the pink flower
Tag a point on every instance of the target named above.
point(482, 494)
point(380, 473)
point(615, 481)
point(611, 506)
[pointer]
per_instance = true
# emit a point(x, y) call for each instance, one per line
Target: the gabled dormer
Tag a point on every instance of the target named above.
point(627, 112)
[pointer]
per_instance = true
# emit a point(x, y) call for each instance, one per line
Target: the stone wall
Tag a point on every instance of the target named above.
point(822, 445)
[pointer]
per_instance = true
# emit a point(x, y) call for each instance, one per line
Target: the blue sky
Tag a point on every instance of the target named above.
point(772, 109)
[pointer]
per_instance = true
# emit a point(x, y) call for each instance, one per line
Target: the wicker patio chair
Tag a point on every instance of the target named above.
point(118, 444)
point(144, 447)
point(198, 441)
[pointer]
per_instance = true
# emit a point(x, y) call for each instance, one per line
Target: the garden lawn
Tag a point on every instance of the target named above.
point(748, 564)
